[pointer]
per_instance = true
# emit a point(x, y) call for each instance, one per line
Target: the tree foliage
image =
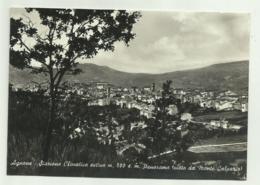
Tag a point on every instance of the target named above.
point(58, 37)
point(52, 42)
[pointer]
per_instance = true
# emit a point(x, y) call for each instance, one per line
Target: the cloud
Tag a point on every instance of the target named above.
point(170, 41)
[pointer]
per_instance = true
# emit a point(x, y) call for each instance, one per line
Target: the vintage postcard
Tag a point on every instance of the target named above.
point(128, 94)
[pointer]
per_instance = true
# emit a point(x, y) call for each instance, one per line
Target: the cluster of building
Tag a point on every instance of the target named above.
point(218, 100)
point(221, 123)
point(143, 99)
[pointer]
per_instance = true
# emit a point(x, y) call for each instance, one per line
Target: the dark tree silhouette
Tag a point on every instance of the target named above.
point(58, 37)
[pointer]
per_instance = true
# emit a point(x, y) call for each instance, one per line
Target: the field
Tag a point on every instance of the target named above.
point(228, 157)
point(222, 140)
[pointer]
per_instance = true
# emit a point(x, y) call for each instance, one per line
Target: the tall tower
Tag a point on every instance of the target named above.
point(108, 92)
point(153, 87)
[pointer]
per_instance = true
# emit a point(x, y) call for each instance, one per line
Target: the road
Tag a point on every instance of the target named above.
point(227, 147)
point(228, 144)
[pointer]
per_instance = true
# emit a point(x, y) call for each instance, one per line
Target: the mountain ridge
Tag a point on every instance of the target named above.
point(230, 75)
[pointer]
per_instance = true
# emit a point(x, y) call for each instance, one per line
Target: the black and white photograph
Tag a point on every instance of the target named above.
point(120, 93)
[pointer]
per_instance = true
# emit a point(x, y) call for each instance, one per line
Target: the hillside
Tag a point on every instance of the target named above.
point(232, 76)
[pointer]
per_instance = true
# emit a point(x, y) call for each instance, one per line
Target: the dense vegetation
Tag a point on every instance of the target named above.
point(100, 134)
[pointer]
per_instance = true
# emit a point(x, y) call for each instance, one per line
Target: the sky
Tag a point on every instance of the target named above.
point(173, 41)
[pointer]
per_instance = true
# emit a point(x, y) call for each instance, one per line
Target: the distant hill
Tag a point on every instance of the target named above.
point(233, 75)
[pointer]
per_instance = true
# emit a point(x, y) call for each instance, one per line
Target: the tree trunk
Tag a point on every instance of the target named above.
point(48, 132)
